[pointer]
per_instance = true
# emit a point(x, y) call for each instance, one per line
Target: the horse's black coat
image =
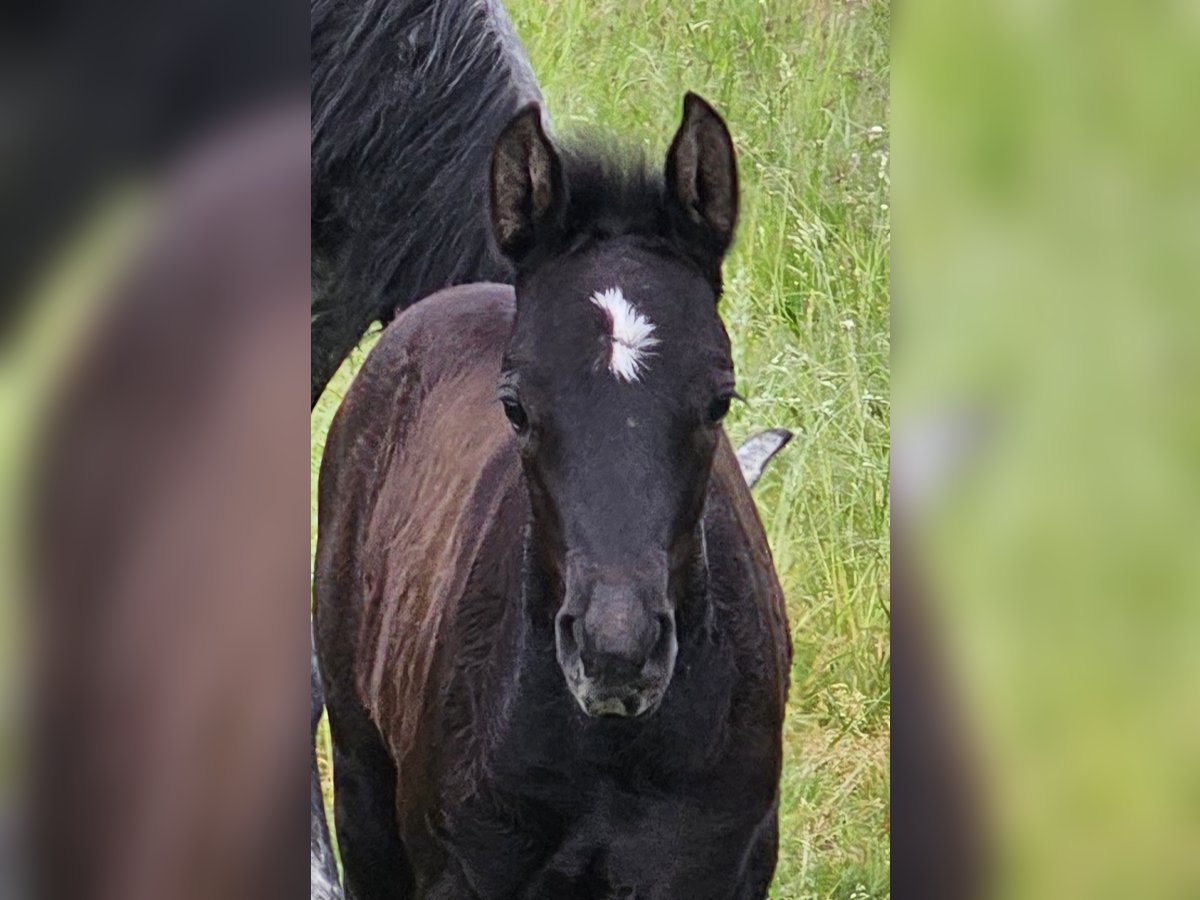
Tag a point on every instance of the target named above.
point(407, 98)
point(451, 542)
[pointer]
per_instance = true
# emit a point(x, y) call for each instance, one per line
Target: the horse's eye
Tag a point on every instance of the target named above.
point(718, 408)
point(516, 414)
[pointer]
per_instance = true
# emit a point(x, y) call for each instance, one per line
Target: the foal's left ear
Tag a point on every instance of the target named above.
point(702, 173)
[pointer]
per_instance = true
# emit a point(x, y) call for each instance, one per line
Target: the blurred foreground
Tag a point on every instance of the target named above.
point(156, 283)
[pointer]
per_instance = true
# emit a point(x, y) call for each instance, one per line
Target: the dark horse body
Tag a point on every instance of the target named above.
point(447, 619)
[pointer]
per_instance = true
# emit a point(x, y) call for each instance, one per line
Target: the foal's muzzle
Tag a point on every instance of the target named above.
point(616, 640)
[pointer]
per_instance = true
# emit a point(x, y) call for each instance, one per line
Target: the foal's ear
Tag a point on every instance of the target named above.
point(702, 173)
point(527, 191)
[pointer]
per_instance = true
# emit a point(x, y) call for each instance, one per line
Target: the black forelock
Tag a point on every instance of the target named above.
point(612, 191)
point(615, 191)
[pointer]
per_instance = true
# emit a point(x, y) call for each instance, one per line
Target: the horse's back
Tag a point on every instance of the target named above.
point(418, 495)
point(455, 335)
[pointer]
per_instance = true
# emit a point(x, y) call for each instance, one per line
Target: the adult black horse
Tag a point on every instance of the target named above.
point(556, 652)
point(407, 99)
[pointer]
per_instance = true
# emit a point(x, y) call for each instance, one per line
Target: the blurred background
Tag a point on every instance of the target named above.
point(1047, 212)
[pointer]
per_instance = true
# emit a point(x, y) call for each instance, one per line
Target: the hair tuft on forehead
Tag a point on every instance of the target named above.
point(631, 334)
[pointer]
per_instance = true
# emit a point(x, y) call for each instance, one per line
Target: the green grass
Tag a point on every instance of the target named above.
point(804, 88)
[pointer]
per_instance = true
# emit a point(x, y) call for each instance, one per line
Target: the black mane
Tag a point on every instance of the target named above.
point(407, 99)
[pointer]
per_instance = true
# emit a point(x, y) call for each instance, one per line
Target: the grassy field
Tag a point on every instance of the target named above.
point(804, 87)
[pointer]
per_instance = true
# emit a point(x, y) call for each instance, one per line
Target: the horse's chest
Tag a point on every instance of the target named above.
point(613, 843)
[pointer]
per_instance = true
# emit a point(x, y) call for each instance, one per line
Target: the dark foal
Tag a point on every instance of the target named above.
point(554, 646)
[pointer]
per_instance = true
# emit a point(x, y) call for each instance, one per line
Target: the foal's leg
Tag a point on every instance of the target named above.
point(364, 778)
point(760, 867)
point(364, 782)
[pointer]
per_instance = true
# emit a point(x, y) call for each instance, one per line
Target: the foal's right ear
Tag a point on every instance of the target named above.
point(527, 190)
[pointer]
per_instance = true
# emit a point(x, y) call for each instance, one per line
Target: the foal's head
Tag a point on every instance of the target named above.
point(616, 379)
